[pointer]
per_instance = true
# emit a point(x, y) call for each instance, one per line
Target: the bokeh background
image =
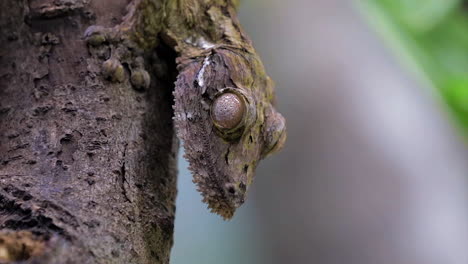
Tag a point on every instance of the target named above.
point(375, 93)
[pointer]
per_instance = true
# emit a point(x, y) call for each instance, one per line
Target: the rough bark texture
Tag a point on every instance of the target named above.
point(87, 167)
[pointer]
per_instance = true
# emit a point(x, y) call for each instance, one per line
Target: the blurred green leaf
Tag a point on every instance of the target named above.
point(420, 15)
point(431, 36)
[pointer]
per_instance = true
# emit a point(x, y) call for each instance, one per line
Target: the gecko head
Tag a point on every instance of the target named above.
point(252, 131)
point(228, 124)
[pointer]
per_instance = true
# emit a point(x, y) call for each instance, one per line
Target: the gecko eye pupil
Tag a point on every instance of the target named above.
point(227, 111)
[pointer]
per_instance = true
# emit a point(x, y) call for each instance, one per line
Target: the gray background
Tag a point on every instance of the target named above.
point(373, 172)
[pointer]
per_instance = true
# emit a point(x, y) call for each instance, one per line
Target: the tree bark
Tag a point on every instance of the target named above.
point(87, 167)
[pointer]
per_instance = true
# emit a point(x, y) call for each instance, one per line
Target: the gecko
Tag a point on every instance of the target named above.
point(224, 102)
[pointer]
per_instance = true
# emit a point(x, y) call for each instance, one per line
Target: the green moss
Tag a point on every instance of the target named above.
point(150, 17)
point(96, 40)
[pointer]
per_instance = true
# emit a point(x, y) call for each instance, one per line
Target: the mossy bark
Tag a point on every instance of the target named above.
point(87, 167)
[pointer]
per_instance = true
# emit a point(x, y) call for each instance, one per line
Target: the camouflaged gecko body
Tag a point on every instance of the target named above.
point(224, 166)
point(224, 101)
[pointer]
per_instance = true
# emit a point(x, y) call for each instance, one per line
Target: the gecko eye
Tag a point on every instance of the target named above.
point(275, 133)
point(228, 111)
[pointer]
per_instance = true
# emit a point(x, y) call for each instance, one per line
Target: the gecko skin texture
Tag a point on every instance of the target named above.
point(223, 154)
point(224, 101)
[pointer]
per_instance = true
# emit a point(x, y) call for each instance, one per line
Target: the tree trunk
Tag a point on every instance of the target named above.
point(87, 167)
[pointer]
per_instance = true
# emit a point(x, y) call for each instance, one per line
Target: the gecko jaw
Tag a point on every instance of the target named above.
point(211, 191)
point(214, 197)
point(217, 207)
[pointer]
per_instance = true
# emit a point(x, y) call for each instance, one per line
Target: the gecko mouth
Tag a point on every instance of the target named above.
point(216, 200)
point(222, 201)
point(221, 208)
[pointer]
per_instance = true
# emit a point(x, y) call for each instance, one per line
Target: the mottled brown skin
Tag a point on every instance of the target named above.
point(215, 57)
point(223, 162)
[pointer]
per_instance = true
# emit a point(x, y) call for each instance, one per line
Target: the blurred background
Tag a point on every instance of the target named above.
point(375, 93)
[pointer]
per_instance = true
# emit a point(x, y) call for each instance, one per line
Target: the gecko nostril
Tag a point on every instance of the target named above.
point(231, 190)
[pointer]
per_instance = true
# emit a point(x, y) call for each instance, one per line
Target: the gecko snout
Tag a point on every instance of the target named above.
point(235, 193)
